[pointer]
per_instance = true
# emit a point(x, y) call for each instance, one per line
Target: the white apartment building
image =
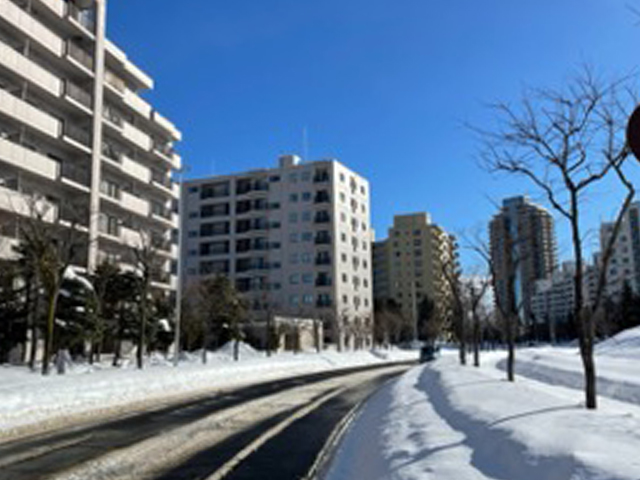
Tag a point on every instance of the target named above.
point(624, 264)
point(75, 133)
point(294, 239)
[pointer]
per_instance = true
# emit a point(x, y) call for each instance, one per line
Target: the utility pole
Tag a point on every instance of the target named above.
point(179, 283)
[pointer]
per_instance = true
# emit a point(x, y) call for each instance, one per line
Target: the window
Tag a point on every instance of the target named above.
point(343, 237)
point(343, 217)
point(307, 278)
point(294, 279)
point(293, 237)
point(293, 177)
point(294, 300)
point(343, 197)
point(294, 258)
point(342, 177)
point(306, 257)
point(193, 233)
point(343, 257)
point(306, 216)
point(345, 277)
point(293, 217)
point(362, 190)
point(194, 189)
point(293, 197)
point(306, 196)
point(274, 178)
point(306, 236)
point(307, 299)
point(305, 176)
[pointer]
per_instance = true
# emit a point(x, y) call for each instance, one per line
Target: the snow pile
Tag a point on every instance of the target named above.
point(447, 421)
point(625, 344)
point(245, 350)
point(29, 401)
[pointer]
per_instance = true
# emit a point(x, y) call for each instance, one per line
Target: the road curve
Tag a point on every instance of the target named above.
point(202, 438)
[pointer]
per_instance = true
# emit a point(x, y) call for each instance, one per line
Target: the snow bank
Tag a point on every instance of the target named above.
point(625, 344)
point(29, 401)
point(447, 421)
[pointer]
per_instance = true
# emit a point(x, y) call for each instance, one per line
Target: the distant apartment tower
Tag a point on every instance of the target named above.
point(522, 237)
point(75, 133)
point(294, 239)
point(410, 265)
point(624, 264)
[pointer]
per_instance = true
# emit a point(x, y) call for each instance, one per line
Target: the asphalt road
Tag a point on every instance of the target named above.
point(289, 453)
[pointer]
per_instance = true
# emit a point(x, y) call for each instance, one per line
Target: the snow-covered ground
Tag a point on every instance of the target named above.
point(29, 401)
point(444, 421)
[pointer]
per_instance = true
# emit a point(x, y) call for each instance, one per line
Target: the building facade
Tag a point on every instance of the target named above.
point(294, 239)
point(76, 134)
point(411, 263)
point(523, 245)
point(624, 263)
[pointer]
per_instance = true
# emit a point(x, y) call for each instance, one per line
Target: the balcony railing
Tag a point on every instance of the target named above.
point(112, 115)
point(78, 94)
point(110, 152)
point(115, 81)
point(86, 17)
point(74, 173)
point(161, 179)
point(78, 134)
point(80, 55)
point(164, 148)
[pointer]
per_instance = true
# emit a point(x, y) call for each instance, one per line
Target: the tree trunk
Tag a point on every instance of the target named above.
point(205, 344)
point(586, 354)
point(33, 325)
point(511, 348)
point(143, 327)
point(476, 341)
point(462, 349)
point(48, 339)
point(236, 349)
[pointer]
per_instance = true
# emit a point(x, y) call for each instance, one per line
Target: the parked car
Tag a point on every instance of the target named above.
point(428, 353)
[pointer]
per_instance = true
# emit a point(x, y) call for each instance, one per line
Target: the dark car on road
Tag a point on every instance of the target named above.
point(428, 353)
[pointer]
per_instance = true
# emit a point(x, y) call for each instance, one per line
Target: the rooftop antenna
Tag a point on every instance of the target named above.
point(305, 144)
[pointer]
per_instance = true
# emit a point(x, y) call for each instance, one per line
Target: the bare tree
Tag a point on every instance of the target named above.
point(566, 141)
point(49, 250)
point(457, 322)
point(476, 287)
point(149, 265)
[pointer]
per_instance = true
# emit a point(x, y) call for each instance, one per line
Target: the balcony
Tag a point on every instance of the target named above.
point(77, 175)
point(323, 240)
point(134, 204)
point(322, 197)
point(26, 23)
point(160, 179)
point(136, 136)
point(166, 125)
point(110, 152)
point(322, 217)
point(321, 177)
point(115, 82)
point(323, 282)
point(323, 261)
point(80, 55)
point(11, 200)
point(138, 104)
point(76, 93)
point(83, 17)
point(112, 116)
point(135, 169)
point(27, 159)
point(29, 70)
point(77, 134)
point(26, 113)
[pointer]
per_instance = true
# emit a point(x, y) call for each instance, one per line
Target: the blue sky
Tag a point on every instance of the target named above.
point(386, 86)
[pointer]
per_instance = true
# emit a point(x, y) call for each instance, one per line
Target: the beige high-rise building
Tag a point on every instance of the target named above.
point(295, 240)
point(523, 241)
point(76, 134)
point(410, 265)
